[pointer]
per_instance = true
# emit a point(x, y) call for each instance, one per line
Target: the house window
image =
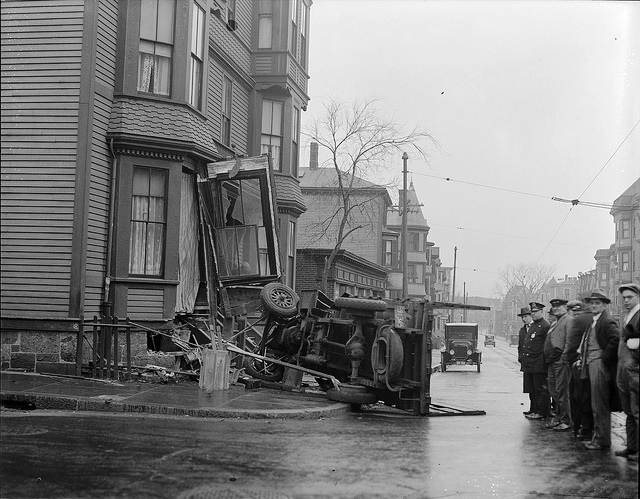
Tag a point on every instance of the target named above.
point(413, 241)
point(271, 138)
point(227, 94)
point(624, 229)
point(265, 24)
point(148, 221)
point(625, 261)
point(304, 13)
point(294, 142)
point(291, 255)
point(197, 57)
point(156, 46)
point(390, 258)
point(294, 28)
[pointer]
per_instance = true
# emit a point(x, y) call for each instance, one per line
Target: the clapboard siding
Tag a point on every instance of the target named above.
point(99, 192)
point(41, 57)
point(145, 303)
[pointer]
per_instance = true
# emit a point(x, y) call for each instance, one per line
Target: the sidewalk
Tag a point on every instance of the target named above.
point(42, 391)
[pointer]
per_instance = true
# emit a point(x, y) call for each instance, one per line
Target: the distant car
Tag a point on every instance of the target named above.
point(460, 345)
point(489, 339)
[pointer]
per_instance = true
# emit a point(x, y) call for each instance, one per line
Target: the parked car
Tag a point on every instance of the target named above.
point(460, 345)
point(489, 339)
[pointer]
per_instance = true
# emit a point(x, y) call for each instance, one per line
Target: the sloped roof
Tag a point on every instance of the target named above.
point(630, 199)
point(414, 214)
point(327, 178)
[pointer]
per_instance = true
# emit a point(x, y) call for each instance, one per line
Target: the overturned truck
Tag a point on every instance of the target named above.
point(360, 351)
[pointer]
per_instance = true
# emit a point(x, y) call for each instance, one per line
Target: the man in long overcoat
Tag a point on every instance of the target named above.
point(559, 371)
point(527, 383)
point(627, 375)
point(599, 359)
point(533, 364)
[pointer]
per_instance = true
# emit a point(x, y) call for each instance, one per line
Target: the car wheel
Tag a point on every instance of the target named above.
point(479, 361)
point(443, 364)
point(279, 300)
point(352, 394)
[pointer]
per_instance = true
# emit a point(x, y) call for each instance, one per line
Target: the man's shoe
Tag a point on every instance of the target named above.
point(633, 457)
point(592, 446)
point(526, 413)
point(563, 427)
point(625, 453)
point(551, 424)
point(535, 416)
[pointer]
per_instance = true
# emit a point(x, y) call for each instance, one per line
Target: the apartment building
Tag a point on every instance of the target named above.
point(112, 113)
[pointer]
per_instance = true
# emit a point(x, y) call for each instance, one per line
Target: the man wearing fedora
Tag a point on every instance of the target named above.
point(527, 383)
point(627, 374)
point(599, 350)
point(534, 367)
point(558, 374)
point(579, 389)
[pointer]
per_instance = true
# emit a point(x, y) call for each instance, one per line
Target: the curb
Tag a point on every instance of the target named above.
point(113, 404)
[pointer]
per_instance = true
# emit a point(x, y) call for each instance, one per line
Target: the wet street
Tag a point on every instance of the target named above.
point(374, 454)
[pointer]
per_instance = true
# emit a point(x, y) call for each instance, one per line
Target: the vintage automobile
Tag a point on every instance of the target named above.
point(361, 351)
point(460, 345)
point(489, 339)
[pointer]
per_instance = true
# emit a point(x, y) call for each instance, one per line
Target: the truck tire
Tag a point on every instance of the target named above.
point(352, 394)
point(360, 304)
point(279, 300)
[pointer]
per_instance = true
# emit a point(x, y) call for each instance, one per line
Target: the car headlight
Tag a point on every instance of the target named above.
point(469, 351)
point(452, 351)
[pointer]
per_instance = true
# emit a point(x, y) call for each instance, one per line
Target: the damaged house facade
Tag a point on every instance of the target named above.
point(147, 145)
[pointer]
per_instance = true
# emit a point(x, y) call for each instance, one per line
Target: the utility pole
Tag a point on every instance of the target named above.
point(453, 291)
point(403, 242)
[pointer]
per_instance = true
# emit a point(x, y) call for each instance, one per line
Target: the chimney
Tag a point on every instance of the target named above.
point(313, 156)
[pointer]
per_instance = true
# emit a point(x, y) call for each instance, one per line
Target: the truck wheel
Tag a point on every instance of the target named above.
point(279, 300)
point(263, 369)
point(360, 304)
point(352, 394)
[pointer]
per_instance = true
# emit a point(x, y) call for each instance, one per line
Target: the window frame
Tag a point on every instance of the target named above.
point(226, 111)
point(197, 87)
point(276, 161)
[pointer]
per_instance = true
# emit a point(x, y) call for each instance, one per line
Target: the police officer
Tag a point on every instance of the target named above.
point(533, 363)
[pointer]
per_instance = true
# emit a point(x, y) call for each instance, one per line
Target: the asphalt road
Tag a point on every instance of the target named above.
point(378, 453)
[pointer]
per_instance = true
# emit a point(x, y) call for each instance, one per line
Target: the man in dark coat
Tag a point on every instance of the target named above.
point(527, 383)
point(533, 364)
point(599, 354)
point(579, 389)
point(627, 375)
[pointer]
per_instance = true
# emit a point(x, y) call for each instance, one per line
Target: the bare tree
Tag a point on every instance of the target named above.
point(524, 281)
point(357, 138)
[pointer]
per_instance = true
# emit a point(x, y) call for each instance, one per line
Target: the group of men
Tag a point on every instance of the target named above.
point(582, 365)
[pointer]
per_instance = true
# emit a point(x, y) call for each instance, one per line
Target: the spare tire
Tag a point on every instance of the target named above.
point(387, 354)
point(279, 300)
point(352, 394)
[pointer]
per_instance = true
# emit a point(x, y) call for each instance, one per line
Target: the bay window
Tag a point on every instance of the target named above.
point(148, 221)
point(157, 19)
point(197, 56)
point(271, 138)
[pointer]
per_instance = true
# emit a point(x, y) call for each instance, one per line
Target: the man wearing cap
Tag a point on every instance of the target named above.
point(558, 371)
point(579, 389)
point(527, 382)
point(599, 354)
point(627, 375)
point(533, 364)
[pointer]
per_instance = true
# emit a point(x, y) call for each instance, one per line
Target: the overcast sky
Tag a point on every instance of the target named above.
point(532, 97)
